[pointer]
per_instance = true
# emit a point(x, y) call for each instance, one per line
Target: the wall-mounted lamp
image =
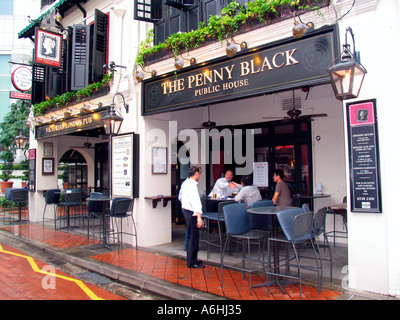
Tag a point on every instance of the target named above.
point(53, 120)
point(139, 75)
point(300, 28)
point(85, 108)
point(20, 141)
point(180, 62)
point(232, 48)
point(346, 72)
point(67, 113)
point(111, 121)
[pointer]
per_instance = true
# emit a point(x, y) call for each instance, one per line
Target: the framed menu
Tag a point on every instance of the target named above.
point(365, 188)
point(125, 165)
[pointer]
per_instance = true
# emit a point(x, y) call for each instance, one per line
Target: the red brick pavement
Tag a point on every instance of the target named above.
point(23, 278)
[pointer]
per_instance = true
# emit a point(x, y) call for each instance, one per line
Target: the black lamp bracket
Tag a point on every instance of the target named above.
point(126, 106)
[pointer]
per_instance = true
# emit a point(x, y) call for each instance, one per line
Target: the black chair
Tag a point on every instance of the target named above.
point(19, 195)
point(72, 198)
point(238, 227)
point(297, 228)
point(338, 233)
point(318, 229)
point(52, 197)
point(96, 209)
point(214, 217)
point(122, 208)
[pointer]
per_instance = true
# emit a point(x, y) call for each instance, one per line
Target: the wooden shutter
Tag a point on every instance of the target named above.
point(194, 17)
point(99, 45)
point(212, 7)
point(38, 84)
point(80, 57)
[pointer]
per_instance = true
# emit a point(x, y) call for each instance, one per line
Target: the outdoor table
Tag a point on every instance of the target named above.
point(272, 210)
point(212, 203)
point(103, 217)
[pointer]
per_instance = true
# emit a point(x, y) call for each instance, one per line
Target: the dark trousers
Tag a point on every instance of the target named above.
point(192, 237)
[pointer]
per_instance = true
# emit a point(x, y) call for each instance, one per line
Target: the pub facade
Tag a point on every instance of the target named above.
point(258, 98)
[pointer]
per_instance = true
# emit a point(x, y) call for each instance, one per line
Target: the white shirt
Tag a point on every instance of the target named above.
point(222, 188)
point(189, 196)
point(249, 194)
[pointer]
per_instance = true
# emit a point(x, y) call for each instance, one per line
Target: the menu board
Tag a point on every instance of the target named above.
point(122, 165)
point(260, 174)
point(364, 157)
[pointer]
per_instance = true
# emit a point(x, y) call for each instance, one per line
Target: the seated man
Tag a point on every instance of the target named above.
point(282, 195)
point(249, 193)
point(224, 186)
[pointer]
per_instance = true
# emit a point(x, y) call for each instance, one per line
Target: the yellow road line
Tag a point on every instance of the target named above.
point(36, 268)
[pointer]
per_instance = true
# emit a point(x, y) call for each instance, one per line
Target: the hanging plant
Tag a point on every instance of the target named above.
point(72, 96)
point(226, 25)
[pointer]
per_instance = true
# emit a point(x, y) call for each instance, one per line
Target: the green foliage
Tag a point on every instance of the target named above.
point(14, 121)
point(223, 26)
point(8, 158)
point(72, 96)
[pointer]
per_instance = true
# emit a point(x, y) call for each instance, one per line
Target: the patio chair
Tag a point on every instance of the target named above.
point(122, 208)
point(238, 227)
point(297, 228)
point(210, 217)
point(96, 209)
point(52, 197)
point(72, 199)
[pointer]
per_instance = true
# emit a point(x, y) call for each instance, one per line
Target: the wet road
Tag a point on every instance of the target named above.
point(34, 275)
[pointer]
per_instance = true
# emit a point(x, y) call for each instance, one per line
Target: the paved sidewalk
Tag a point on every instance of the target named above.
point(160, 273)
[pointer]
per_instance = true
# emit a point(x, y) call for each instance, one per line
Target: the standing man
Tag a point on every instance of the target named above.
point(192, 210)
point(282, 195)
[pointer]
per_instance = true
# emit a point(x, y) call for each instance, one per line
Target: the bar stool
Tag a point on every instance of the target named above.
point(19, 195)
point(120, 209)
point(52, 197)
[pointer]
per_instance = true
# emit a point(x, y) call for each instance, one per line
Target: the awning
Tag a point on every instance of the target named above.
point(61, 5)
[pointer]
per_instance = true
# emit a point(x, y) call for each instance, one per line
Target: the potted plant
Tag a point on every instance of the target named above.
point(8, 158)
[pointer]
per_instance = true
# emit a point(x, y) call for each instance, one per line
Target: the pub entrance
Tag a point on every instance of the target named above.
point(283, 145)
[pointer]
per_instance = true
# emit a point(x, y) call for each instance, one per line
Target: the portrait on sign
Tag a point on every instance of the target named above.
point(48, 48)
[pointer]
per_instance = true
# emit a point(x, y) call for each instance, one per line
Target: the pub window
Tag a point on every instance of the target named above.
point(177, 15)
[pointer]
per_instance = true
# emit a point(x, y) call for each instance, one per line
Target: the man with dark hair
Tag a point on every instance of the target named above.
point(282, 193)
point(192, 210)
point(249, 193)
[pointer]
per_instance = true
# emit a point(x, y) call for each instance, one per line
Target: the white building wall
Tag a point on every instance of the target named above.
point(374, 260)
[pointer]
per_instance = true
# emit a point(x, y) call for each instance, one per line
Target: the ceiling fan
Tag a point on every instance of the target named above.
point(86, 145)
point(295, 114)
point(207, 124)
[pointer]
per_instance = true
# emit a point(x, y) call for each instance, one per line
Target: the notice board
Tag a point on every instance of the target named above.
point(365, 187)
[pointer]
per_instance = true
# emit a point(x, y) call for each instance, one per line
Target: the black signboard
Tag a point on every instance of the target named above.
point(364, 157)
point(279, 66)
point(83, 122)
